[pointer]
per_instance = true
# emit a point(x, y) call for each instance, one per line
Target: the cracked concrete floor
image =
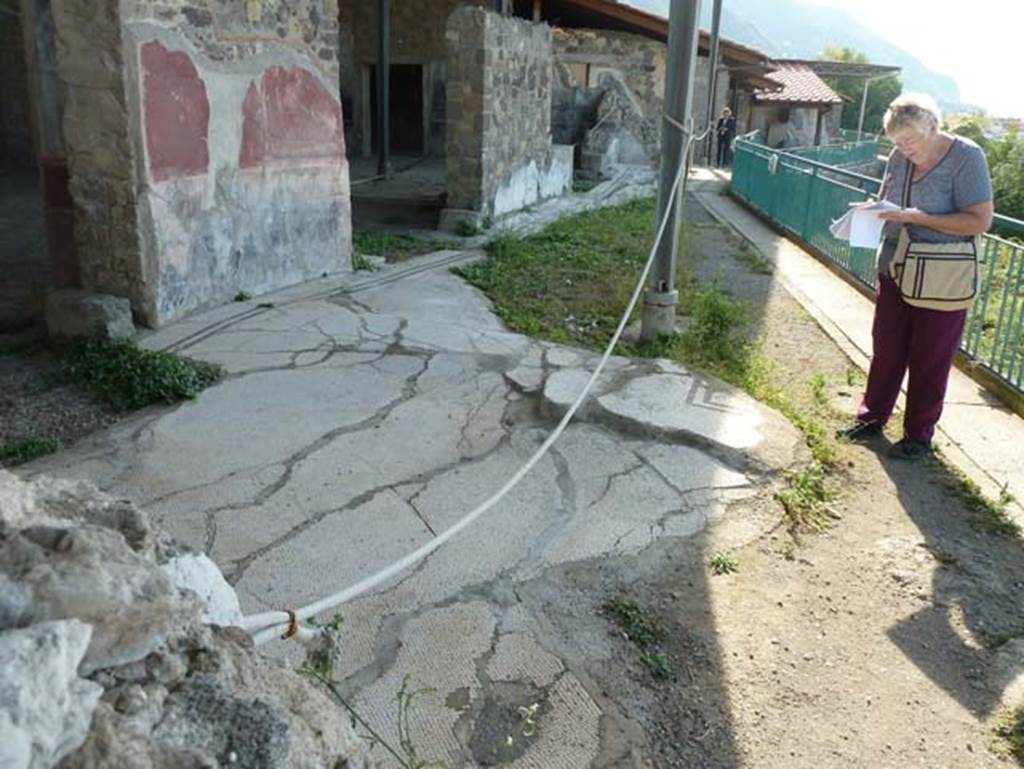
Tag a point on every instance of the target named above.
point(354, 426)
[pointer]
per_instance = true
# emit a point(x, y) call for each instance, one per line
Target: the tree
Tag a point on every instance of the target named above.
point(1005, 156)
point(880, 92)
point(971, 126)
point(1006, 163)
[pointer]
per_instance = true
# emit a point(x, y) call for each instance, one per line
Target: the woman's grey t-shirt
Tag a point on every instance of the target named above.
point(960, 179)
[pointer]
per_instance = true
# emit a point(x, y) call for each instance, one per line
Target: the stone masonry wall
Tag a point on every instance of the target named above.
point(213, 161)
point(629, 70)
point(499, 152)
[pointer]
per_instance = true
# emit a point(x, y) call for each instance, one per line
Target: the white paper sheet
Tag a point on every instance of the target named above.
point(861, 225)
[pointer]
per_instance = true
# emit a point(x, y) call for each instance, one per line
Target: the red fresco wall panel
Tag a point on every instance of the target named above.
point(290, 117)
point(176, 114)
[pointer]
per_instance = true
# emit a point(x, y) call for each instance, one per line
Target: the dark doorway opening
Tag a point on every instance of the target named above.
point(25, 269)
point(405, 103)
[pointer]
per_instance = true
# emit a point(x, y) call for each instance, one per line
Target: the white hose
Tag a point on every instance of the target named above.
point(268, 625)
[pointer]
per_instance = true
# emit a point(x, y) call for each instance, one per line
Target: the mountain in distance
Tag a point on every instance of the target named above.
point(789, 29)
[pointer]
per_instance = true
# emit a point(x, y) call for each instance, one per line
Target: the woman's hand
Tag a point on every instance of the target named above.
point(903, 216)
point(973, 220)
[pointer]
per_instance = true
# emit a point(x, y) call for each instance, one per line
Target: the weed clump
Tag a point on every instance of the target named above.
point(21, 450)
point(128, 377)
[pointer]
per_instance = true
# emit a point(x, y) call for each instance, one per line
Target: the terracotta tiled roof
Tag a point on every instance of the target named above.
point(800, 85)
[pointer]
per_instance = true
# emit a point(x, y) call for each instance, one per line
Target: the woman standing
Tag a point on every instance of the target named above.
point(950, 200)
point(725, 131)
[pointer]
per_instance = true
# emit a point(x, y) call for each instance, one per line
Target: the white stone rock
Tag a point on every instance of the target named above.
point(45, 708)
point(677, 403)
point(201, 575)
point(560, 356)
point(562, 389)
point(98, 579)
point(526, 379)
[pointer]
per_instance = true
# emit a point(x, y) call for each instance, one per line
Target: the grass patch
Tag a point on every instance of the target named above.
point(724, 563)
point(657, 664)
point(642, 631)
point(986, 514)
point(571, 282)
point(807, 498)
point(754, 259)
point(394, 247)
point(243, 296)
point(1009, 727)
point(361, 264)
point(855, 377)
point(128, 377)
point(632, 621)
point(583, 185)
point(21, 450)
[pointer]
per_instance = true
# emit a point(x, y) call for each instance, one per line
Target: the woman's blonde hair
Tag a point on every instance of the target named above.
point(914, 111)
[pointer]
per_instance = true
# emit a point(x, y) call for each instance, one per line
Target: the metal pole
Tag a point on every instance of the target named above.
point(661, 297)
point(716, 24)
point(863, 105)
point(383, 83)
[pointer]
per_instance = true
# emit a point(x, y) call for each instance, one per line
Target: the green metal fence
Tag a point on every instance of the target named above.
point(804, 196)
point(845, 153)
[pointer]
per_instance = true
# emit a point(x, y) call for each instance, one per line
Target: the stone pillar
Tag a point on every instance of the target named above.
point(98, 147)
point(500, 157)
point(206, 147)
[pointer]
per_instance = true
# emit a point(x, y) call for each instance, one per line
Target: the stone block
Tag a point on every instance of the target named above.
point(45, 708)
point(73, 312)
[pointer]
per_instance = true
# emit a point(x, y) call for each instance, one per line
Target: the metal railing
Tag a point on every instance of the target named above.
point(804, 196)
point(846, 153)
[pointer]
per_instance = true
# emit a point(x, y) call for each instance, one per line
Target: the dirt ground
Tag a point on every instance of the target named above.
point(885, 642)
point(33, 404)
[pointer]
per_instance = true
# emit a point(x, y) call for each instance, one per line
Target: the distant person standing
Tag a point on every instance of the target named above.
point(941, 181)
point(725, 131)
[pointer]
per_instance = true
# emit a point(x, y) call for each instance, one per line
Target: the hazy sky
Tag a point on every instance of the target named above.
point(979, 43)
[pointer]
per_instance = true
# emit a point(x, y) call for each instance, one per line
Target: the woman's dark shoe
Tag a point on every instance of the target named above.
point(861, 431)
point(910, 449)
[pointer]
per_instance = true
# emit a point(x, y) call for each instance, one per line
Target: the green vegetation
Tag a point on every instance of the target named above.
point(631, 620)
point(986, 514)
point(1005, 161)
point(807, 497)
point(406, 753)
point(467, 229)
point(571, 282)
point(1010, 728)
point(361, 264)
point(243, 296)
point(128, 377)
point(880, 92)
point(391, 246)
point(753, 258)
point(320, 660)
point(642, 631)
point(724, 563)
point(21, 450)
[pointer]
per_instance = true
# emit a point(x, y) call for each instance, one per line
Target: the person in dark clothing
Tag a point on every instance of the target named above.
point(725, 130)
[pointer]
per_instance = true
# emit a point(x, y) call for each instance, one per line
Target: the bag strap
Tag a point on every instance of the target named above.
point(908, 181)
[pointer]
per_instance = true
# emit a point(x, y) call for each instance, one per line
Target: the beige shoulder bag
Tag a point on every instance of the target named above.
point(935, 276)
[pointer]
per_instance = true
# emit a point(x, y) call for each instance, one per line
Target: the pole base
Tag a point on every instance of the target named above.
point(659, 315)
